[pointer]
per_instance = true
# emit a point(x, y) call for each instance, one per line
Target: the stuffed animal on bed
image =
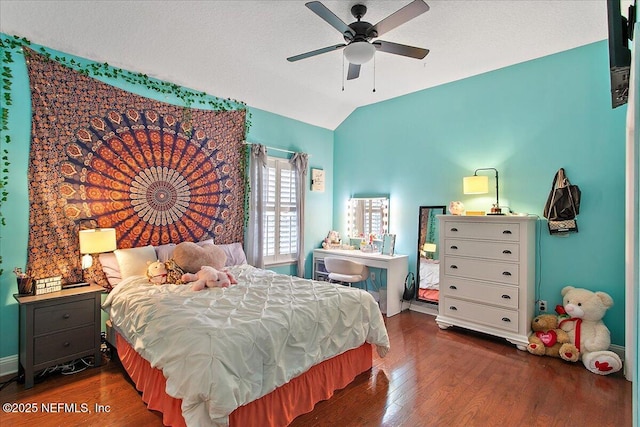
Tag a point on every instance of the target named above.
point(190, 257)
point(209, 277)
point(160, 273)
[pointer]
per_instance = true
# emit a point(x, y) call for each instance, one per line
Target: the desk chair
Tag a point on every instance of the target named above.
point(346, 271)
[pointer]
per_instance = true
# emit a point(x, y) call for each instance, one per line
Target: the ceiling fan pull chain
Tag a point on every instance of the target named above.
point(343, 73)
point(374, 73)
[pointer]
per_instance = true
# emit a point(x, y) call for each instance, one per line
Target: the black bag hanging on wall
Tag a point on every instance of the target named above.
point(563, 205)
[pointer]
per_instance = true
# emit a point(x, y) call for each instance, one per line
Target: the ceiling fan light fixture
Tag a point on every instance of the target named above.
point(359, 53)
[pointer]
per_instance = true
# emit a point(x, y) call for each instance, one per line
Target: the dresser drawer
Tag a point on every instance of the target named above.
point(63, 344)
point(504, 296)
point(495, 271)
point(63, 316)
point(505, 251)
point(478, 230)
point(491, 316)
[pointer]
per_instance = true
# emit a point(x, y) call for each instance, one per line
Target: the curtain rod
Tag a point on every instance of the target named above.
point(275, 149)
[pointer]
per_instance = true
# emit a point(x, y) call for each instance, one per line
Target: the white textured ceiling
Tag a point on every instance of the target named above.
point(238, 49)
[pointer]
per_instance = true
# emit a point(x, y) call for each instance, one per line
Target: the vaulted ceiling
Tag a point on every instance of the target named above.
point(238, 49)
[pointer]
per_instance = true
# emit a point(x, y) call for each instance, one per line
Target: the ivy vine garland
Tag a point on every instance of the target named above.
point(10, 45)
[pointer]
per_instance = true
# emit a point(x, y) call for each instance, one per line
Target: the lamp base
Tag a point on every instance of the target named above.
point(495, 213)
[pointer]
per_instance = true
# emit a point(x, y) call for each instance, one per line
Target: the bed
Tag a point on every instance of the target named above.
point(260, 352)
point(428, 288)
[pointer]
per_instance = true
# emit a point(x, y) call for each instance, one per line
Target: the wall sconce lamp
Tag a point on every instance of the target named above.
point(95, 241)
point(480, 185)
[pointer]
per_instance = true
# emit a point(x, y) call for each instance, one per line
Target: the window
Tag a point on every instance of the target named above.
point(280, 223)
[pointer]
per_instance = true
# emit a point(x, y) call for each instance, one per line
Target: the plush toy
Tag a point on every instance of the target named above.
point(156, 272)
point(456, 208)
point(159, 272)
point(332, 239)
point(209, 277)
point(546, 338)
point(191, 257)
point(589, 337)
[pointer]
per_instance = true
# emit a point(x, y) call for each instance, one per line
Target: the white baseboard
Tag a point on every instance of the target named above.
point(423, 307)
point(8, 365)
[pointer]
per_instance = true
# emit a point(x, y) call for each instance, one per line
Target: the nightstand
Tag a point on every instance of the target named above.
point(58, 327)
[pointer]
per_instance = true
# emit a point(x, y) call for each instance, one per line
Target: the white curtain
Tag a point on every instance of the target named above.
point(300, 162)
point(255, 232)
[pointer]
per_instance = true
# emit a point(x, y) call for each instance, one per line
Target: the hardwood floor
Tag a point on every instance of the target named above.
point(430, 378)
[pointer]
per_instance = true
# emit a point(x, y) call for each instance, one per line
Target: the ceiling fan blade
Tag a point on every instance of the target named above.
point(399, 17)
point(400, 49)
point(316, 52)
point(354, 71)
point(337, 23)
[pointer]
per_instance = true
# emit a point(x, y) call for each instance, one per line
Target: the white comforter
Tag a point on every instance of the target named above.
point(222, 348)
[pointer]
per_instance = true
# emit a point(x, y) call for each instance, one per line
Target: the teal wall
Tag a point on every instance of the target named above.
point(267, 128)
point(527, 120)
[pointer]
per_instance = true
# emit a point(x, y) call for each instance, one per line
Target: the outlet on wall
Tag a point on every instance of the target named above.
point(542, 305)
point(372, 275)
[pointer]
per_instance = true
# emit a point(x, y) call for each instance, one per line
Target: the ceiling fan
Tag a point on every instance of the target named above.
point(359, 49)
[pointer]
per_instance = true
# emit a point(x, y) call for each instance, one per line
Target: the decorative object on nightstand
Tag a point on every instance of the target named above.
point(58, 327)
point(25, 282)
point(478, 184)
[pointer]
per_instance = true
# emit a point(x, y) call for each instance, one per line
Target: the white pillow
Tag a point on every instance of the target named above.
point(133, 262)
point(235, 253)
point(110, 267)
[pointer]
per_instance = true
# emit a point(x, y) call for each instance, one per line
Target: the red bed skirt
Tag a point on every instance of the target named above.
point(277, 408)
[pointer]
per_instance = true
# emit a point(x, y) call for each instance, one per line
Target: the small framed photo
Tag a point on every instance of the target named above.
point(388, 244)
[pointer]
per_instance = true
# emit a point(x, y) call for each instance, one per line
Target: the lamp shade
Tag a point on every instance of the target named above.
point(97, 240)
point(359, 53)
point(429, 247)
point(475, 184)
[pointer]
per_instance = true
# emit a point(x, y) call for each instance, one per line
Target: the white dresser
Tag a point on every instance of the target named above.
point(487, 275)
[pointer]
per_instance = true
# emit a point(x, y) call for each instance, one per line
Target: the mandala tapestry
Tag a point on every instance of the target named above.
point(155, 172)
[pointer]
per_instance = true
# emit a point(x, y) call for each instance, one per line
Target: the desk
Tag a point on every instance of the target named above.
point(397, 267)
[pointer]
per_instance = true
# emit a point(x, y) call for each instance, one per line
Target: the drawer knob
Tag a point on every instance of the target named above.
point(454, 247)
point(453, 308)
point(453, 266)
point(66, 316)
point(506, 319)
point(506, 252)
point(505, 296)
point(507, 232)
point(453, 287)
point(506, 273)
point(66, 344)
point(454, 229)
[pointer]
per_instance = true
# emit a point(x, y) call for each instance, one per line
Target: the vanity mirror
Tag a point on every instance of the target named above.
point(366, 216)
point(428, 268)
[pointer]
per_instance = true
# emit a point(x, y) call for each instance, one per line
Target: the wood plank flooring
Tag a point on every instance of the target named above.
point(431, 377)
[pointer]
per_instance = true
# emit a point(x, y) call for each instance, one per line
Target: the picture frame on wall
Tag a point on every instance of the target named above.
point(388, 244)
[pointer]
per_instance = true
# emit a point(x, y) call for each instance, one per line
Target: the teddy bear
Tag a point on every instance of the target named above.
point(209, 277)
point(546, 338)
point(190, 257)
point(589, 336)
point(159, 272)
